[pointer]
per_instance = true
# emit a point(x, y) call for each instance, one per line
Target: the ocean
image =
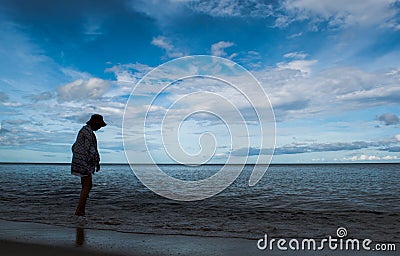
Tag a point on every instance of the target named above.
point(291, 201)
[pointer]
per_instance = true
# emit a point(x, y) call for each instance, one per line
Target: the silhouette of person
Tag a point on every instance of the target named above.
point(86, 158)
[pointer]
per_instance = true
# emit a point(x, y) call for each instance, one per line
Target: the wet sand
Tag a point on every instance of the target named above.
point(26, 238)
point(16, 248)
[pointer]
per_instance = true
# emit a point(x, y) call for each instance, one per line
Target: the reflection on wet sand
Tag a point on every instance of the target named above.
point(80, 237)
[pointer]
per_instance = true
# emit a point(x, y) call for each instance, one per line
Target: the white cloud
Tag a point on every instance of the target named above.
point(12, 104)
point(218, 49)
point(5, 101)
point(295, 35)
point(129, 74)
point(390, 158)
point(233, 8)
point(197, 94)
point(295, 93)
point(214, 8)
point(295, 55)
point(318, 159)
point(75, 74)
point(163, 11)
point(364, 157)
point(167, 12)
point(165, 43)
point(340, 13)
point(83, 89)
point(294, 89)
point(303, 66)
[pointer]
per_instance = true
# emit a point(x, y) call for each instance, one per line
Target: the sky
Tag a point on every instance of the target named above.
point(331, 71)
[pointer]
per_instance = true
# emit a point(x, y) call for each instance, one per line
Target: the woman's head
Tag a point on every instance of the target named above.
point(96, 122)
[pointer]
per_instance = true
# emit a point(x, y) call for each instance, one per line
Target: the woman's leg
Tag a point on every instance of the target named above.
point(86, 187)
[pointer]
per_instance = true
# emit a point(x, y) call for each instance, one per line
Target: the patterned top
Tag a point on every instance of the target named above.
point(85, 155)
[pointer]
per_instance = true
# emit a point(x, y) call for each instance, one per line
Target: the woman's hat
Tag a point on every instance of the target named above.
point(97, 119)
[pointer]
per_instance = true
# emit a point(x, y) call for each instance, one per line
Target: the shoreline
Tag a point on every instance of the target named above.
point(20, 248)
point(17, 238)
point(27, 238)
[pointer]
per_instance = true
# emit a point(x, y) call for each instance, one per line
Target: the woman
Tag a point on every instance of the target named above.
point(86, 158)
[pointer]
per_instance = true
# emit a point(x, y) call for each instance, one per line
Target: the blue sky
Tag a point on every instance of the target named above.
point(331, 70)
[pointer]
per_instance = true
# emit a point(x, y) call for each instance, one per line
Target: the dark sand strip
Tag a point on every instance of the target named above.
point(25, 238)
point(9, 248)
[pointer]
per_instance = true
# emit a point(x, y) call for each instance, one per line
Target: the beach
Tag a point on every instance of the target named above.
point(27, 238)
point(126, 218)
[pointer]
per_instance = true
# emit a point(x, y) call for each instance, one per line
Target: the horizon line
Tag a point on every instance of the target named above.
point(312, 163)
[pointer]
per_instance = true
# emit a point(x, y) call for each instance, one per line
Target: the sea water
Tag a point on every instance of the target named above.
point(301, 201)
